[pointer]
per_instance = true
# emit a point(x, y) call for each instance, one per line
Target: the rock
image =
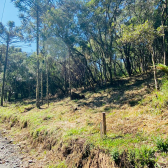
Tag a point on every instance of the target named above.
point(9, 142)
point(30, 161)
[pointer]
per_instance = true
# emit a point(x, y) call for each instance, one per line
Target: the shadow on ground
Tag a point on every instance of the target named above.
point(124, 91)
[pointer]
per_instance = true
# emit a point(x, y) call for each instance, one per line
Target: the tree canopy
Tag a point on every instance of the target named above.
point(86, 43)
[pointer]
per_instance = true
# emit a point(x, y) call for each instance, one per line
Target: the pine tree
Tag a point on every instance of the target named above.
point(32, 12)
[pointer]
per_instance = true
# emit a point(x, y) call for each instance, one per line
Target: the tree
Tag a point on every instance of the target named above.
point(32, 13)
point(143, 33)
point(103, 39)
point(17, 75)
point(8, 34)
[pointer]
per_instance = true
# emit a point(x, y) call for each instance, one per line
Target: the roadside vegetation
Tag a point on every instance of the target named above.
point(68, 131)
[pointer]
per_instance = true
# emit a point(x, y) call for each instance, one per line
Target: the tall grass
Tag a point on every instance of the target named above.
point(160, 98)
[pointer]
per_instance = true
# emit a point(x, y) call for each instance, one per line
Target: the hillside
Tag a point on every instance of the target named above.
point(67, 133)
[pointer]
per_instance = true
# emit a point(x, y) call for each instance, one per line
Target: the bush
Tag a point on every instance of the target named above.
point(115, 156)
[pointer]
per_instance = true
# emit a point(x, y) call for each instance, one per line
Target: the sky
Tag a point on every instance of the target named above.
point(8, 12)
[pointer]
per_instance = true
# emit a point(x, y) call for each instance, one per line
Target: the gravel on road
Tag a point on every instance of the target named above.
point(10, 156)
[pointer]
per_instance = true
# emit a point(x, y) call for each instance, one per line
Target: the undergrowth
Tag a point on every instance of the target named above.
point(157, 100)
point(162, 145)
point(137, 157)
point(66, 120)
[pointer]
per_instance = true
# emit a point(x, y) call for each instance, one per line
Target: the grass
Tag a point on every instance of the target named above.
point(115, 141)
point(74, 131)
point(59, 165)
point(143, 156)
point(162, 145)
point(133, 119)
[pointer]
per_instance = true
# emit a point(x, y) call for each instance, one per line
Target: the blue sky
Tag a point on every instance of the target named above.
point(11, 14)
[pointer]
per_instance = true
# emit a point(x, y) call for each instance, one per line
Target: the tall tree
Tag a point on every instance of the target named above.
point(32, 12)
point(8, 34)
point(142, 34)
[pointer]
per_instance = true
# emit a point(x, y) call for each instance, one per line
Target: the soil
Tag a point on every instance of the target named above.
point(15, 155)
point(10, 156)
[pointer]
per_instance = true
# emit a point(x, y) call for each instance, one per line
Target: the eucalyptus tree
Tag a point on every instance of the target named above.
point(9, 34)
point(135, 12)
point(59, 53)
point(164, 15)
point(142, 34)
point(62, 23)
point(31, 13)
point(99, 23)
point(78, 23)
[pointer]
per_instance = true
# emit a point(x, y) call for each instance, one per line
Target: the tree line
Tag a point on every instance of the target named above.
point(81, 43)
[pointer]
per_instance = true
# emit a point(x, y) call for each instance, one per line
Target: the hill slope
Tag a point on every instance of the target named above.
point(67, 133)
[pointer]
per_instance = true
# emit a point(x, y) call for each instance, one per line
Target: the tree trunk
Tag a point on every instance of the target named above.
point(84, 77)
point(5, 95)
point(115, 60)
point(164, 18)
point(164, 50)
point(9, 95)
point(6, 58)
point(69, 74)
point(120, 66)
point(127, 59)
point(47, 84)
point(128, 66)
point(42, 87)
point(101, 75)
point(110, 71)
point(37, 86)
point(65, 77)
point(104, 71)
point(154, 68)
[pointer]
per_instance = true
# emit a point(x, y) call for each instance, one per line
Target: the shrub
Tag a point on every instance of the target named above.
point(137, 157)
point(162, 145)
point(115, 155)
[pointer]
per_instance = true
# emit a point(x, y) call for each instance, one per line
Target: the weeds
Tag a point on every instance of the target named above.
point(160, 98)
point(74, 131)
point(137, 157)
point(59, 165)
point(144, 156)
point(115, 156)
point(162, 145)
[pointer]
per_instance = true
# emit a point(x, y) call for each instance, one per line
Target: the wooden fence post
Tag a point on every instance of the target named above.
point(104, 123)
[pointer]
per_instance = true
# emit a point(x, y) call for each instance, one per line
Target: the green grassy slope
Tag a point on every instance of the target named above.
point(67, 133)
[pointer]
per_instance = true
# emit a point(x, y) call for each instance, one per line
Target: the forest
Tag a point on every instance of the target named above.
point(98, 63)
point(81, 44)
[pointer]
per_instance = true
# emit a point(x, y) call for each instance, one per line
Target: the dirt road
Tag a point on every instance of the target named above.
point(10, 156)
